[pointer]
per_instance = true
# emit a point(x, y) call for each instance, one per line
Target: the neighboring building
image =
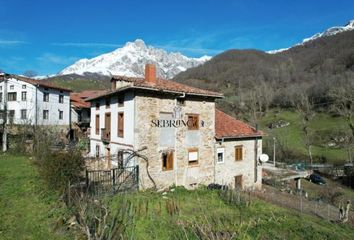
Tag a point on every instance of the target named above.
point(186, 140)
point(34, 102)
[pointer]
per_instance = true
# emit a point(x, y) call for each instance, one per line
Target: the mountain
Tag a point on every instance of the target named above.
point(131, 59)
point(316, 67)
point(329, 32)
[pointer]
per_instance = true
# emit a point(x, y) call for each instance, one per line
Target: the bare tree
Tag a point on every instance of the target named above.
point(304, 107)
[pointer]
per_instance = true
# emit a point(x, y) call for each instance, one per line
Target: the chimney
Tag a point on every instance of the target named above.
point(150, 73)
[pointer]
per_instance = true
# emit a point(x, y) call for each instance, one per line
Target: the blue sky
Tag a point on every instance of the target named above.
point(48, 35)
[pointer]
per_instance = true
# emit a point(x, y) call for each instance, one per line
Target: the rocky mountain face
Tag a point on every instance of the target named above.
point(131, 59)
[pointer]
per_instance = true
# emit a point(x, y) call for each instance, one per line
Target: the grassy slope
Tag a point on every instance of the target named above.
point(259, 221)
point(292, 135)
point(79, 85)
point(26, 211)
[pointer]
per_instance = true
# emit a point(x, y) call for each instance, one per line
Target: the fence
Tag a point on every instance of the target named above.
point(112, 181)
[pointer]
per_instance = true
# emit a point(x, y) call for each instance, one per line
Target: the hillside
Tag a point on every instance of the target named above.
point(314, 67)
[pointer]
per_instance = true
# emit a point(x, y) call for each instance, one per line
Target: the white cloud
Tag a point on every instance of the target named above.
point(9, 43)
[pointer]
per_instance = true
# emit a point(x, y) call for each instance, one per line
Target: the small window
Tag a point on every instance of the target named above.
point(97, 151)
point(46, 114)
point(220, 155)
point(61, 115)
point(23, 86)
point(193, 156)
point(0, 96)
point(97, 105)
point(167, 161)
point(97, 124)
point(108, 102)
point(61, 98)
point(23, 114)
point(12, 87)
point(45, 97)
point(12, 96)
point(193, 122)
point(120, 101)
point(121, 124)
point(24, 96)
point(0, 87)
point(181, 102)
point(238, 153)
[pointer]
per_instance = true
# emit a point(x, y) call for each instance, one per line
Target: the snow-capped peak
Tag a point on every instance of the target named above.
point(329, 32)
point(130, 60)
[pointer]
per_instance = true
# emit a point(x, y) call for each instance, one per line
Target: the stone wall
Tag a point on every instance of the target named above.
point(226, 171)
point(176, 139)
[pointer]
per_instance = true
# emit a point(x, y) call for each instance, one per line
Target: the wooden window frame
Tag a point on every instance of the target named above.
point(167, 160)
point(120, 125)
point(97, 124)
point(193, 162)
point(238, 154)
point(193, 116)
point(239, 181)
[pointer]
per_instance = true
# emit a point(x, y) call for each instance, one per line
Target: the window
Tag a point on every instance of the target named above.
point(120, 159)
point(45, 114)
point(220, 155)
point(108, 102)
point(11, 116)
point(12, 96)
point(97, 124)
point(193, 122)
point(24, 96)
point(181, 102)
point(120, 101)
point(97, 151)
point(61, 98)
point(97, 105)
point(0, 96)
point(238, 181)
point(23, 114)
point(12, 87)
point(167, 161)
point(61, 115)
point(45, 97)
point(120, 124)
point(193, 156)
point(23, 86)
point(238, 153)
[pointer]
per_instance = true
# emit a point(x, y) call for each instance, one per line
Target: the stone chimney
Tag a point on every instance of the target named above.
point(150, 73)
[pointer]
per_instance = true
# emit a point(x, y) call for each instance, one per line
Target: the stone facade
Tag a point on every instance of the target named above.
point(176, 139)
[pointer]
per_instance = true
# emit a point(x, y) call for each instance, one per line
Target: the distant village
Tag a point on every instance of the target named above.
point(187, 140)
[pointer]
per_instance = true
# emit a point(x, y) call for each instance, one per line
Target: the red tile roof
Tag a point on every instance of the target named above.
point(37, 82)
point(78, 99)
point(161, 85)
point(228, 127)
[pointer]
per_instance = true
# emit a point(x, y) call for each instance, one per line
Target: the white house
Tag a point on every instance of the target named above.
point(184, 138)
point(34, 102)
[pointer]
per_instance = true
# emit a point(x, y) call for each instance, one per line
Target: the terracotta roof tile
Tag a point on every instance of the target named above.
point(37, 82)
point(229, 127)
point(79, 99)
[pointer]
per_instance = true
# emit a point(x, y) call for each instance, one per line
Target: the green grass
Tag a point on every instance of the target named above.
point(292, 136)
point(79, 85)
point(206, 210)
point(26, 210)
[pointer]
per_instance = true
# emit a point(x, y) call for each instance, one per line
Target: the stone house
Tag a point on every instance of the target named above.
point(183, 136)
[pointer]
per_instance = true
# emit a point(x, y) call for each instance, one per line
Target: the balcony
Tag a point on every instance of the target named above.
point(105, 135)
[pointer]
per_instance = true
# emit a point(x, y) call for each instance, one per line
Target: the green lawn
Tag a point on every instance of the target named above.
point(292, 135)
point(26, 210)
point(203, 212)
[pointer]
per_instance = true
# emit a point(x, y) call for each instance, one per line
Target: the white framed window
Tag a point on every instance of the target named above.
point(23, 114)
point(12, 87)
point(193, 156)
point(220, 152)
point(23, 86)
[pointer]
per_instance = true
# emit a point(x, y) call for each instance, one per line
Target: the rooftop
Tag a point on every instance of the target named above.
point(229, 127)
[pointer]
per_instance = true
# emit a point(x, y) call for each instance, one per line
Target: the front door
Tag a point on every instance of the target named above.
point(238, 182)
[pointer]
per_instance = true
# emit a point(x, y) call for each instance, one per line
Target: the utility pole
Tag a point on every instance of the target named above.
point(4, 135)
point(274, 151)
